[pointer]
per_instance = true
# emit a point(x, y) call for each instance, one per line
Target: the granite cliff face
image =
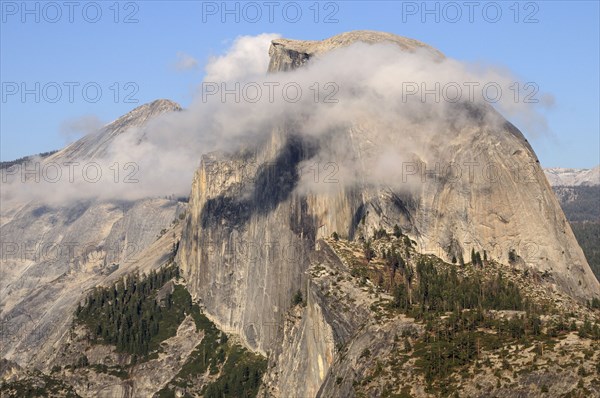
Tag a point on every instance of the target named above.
point(244, 226)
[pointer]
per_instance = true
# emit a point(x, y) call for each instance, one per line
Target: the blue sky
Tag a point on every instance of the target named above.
point(552, 43)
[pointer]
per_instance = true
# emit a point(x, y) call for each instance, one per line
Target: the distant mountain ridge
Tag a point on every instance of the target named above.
point(558, 176)
point(578, 191)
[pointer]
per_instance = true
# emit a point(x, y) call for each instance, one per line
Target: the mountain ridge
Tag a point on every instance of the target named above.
point(559, 176)
point(94, 145)
point(53, 253)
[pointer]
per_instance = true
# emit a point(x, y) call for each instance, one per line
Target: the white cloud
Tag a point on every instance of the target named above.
point(185, 62)
point(75, 128)
point(369, 84)
point(248, 56)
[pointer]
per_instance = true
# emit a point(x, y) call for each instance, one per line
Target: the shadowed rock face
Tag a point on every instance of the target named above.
point(248, 239)
point(265, 195)
point(243, 226)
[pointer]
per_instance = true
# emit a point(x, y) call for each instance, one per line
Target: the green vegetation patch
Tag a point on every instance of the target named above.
point(131, 315)
point(441, 290)
point(588, 236)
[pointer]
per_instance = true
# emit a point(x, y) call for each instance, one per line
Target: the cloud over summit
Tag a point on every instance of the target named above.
point(403, 100)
